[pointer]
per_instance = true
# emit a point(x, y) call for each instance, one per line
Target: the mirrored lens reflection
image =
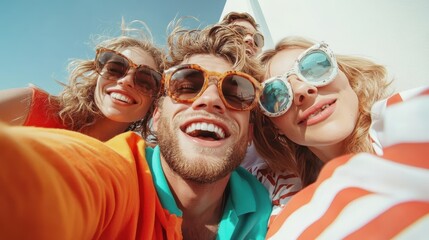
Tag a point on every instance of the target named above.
point(112, 66)
point(186, 83)
point(258, 39)
point(275, 96)
point(238, 91)
point(148, 80)
point(315, 66)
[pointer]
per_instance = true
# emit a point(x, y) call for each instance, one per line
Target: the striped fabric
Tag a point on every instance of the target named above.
point(366, 196)
point(281, 185)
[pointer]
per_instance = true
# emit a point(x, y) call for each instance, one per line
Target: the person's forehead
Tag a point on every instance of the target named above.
point(139, 56)
point(209, 62)
point(284, 60)
point(245, 23)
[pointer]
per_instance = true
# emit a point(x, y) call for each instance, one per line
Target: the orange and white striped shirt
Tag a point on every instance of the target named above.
point(363, 195)
point(281, 185)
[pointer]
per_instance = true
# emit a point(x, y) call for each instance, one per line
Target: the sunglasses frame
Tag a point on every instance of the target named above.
point(131, 64)
point(220, 77)
point(245, 31)
point(324, 47)
point(255, 41)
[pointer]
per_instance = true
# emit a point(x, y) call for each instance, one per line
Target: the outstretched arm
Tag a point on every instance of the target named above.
point(15, 104)
point(57, 184)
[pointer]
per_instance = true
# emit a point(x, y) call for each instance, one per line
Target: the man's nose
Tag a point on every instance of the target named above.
point(210, 100)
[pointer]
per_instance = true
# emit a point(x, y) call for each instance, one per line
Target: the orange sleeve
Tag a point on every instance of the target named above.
point(41, 111)
point(58, 184)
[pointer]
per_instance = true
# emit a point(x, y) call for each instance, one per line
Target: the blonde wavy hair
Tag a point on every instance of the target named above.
point(219, 40)
point(369, 82)
point(76, 101)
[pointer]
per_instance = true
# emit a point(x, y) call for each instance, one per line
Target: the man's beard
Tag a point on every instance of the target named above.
point(209, 168)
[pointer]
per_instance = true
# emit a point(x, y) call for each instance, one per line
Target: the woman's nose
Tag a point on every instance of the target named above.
point(127, 79)
point(302, 90)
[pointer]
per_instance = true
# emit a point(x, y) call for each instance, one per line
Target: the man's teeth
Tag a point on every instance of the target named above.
point(318, 111)
point(210, 127)
point(121, 97)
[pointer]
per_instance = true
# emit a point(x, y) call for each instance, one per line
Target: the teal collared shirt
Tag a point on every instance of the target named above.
point(247, 209)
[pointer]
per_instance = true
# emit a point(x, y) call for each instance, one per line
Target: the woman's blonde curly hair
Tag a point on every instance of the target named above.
point(76, 101)
point(369, 82)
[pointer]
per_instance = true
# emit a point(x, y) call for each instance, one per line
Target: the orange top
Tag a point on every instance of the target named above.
point(41, 113)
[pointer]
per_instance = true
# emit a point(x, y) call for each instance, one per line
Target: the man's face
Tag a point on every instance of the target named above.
point(252, 48)
point(202, 141)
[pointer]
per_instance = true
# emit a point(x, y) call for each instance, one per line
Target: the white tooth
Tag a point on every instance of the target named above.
point(210, 127)
point(190, 128)
point(206, 127)
point(221, 133)
point(317, 112)
point(217, 130)
point(121, 97)
point(314, 114)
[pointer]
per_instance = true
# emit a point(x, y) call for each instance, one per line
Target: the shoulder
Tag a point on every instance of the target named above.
point(281, 185)
point(411, 105)
point(331, 208)
point(245, 184)
point(248, 206)
point(127, 143)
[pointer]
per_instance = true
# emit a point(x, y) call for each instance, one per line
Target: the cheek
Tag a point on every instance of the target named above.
point(354, 105)
point(147, 103)
point(283, 124)
point(349, 95)
point(98, 92)
point(243, 120)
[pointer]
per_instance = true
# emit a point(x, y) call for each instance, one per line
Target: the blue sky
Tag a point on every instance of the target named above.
point(38, 38)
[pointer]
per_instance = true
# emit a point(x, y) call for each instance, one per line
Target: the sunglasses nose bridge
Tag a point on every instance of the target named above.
point(210, 97)
point(249, 39)
point(213, 79)
point(128, 79)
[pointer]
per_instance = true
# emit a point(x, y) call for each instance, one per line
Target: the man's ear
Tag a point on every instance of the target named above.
point(155, 118)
